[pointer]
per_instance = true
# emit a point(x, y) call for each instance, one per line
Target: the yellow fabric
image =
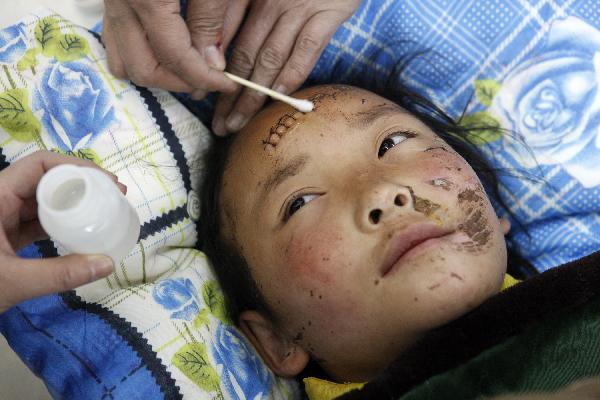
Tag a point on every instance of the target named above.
point(508, 282)
point(319, 389)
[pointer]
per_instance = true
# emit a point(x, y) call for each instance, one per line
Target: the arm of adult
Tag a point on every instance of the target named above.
point(277, 46)
point(22, 279)
point(148, 42)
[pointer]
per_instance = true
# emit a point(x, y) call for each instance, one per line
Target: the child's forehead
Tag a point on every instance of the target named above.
point(340, 113)
point(336, 108)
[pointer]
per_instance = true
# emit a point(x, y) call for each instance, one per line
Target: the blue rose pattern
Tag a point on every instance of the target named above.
point(242, 367)
point(77, 107)
point(178, 296)
point(552, 100)
point(13, 43)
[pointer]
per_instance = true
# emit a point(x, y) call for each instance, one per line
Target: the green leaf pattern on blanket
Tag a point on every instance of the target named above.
point(84, 154)
point(192, 359)
point(16, 117)
point(215, 301)
point(29, 60)
point(201, 319)
point(483, 124)
point(52, 42)
point(486, 90)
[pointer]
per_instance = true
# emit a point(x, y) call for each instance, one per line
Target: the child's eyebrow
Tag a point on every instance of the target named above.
point(363, 119)
point(282, 173)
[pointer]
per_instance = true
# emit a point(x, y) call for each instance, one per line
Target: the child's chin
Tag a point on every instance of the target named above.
point(456, 298)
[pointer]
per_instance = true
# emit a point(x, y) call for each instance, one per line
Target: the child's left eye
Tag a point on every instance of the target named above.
point(297, 203)
point(391, 141)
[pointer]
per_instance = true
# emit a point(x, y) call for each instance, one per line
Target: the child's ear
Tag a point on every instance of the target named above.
point(504, 225)
point(283, 357)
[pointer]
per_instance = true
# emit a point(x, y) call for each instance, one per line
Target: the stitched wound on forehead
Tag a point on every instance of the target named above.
point(290, 119)
point(281, 127)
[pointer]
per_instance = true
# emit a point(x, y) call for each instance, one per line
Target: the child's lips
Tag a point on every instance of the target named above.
point(413, 237)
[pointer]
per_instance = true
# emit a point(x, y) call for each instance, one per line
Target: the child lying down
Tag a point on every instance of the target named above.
point(360, 237)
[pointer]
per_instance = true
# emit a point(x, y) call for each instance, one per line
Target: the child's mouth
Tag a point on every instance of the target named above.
point(410, 241)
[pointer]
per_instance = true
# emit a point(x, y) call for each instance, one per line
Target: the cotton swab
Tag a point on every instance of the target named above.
point(299, 104)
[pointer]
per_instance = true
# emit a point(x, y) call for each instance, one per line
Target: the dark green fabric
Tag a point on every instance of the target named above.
point(561, 349)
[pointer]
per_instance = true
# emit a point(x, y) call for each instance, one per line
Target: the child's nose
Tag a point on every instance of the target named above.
point(384, 202)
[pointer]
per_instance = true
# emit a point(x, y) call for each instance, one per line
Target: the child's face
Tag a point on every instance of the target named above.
point(362, 228)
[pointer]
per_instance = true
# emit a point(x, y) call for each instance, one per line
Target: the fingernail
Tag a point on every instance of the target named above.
point(218, 127)
point(280, 88)
point(122, 187)
point(100, 265)
point(235, 122)
point(214, 58)
point(198, 94)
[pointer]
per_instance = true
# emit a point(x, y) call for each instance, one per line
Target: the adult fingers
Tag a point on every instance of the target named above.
point(256, 28)
point(170, 39)
point(308, 47)
point(115, 64)
point(269, 62)
point(137, 56)
point(22, 176)
point(234, 16)
point(122, 187)
point(28, 233)
point(258, 25)
point(223, 106)
point(22, 279)
point(205, 19)
point(28, 210)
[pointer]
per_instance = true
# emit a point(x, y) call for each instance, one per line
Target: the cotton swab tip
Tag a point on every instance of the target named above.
point(302, 105)
point(299, 104)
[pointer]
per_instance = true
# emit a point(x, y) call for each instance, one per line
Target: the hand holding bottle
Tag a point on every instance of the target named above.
point(22, 279)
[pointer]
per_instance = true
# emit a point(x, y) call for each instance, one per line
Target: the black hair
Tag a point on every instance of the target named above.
point(233, 272)
point(241, 290)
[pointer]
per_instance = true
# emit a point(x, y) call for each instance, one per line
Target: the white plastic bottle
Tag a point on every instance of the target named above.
point(82, 209)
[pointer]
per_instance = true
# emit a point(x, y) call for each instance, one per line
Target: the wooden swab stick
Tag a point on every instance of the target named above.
point(299, 104)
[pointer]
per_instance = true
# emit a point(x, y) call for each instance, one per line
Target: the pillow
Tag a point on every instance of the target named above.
point(530, 67)
point(156, 328)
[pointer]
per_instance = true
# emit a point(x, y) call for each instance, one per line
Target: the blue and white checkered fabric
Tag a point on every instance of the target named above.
point(530, 65)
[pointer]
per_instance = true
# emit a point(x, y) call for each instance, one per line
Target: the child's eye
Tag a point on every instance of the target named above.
point(297, 203)
point(392, 140)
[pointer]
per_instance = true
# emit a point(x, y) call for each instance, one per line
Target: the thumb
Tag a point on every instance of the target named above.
point(22, 279)
point(204, 19)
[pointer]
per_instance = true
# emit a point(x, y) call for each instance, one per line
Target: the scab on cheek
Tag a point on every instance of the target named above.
point(476, 225)
point(442, 183)
point(425, 206)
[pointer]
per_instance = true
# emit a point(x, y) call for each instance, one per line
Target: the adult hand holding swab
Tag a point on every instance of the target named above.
point(299, 104)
